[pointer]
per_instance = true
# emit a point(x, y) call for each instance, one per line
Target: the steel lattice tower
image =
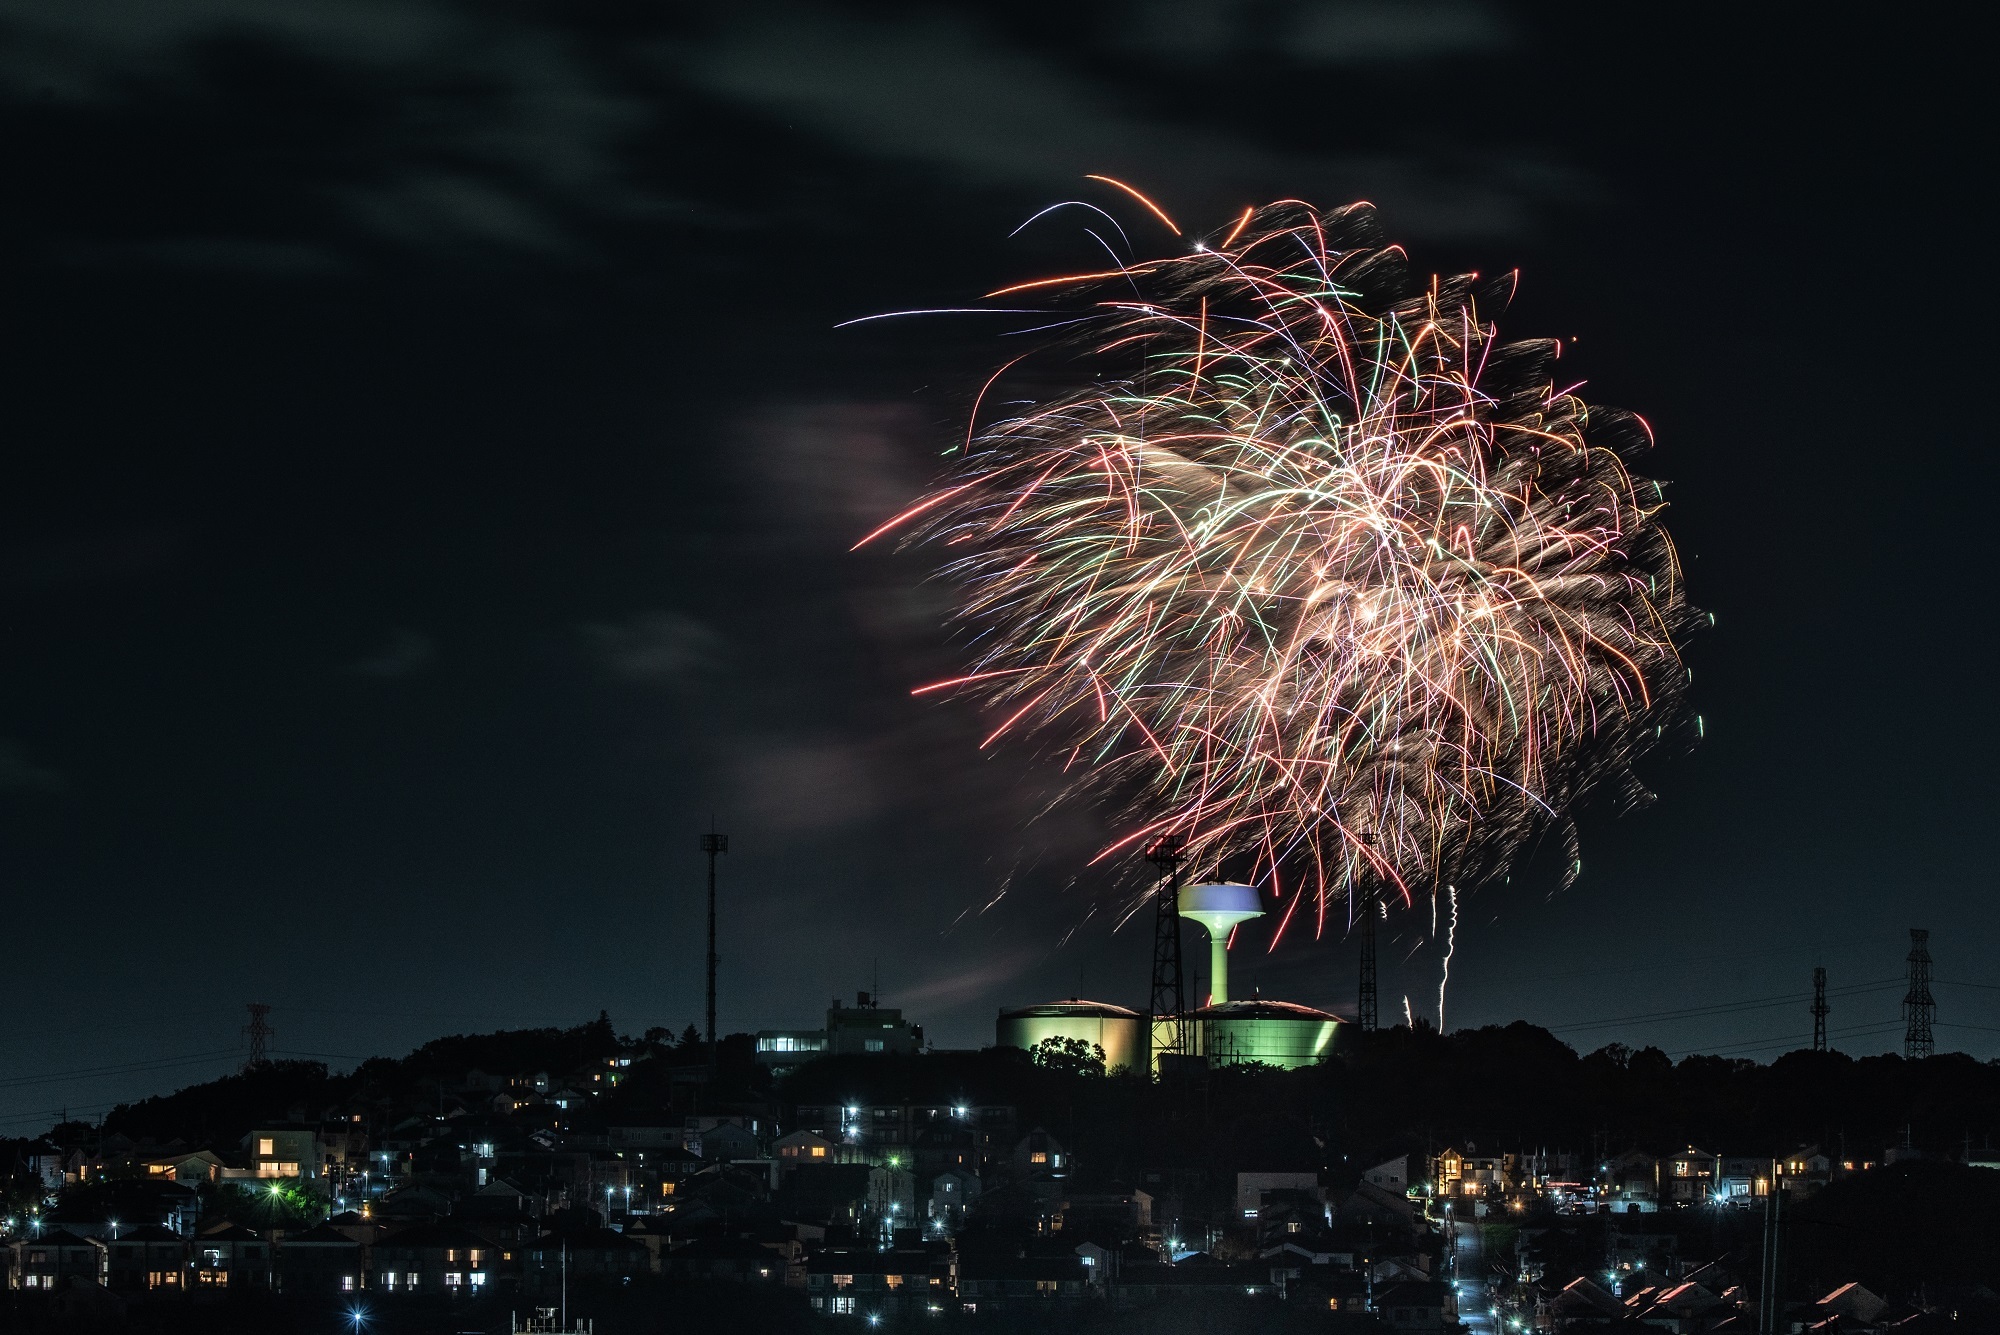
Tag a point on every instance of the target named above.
point(1366, 1015)
point(259, 1032)
point(1919, 1007)
point(712, 844)
point(1169, 999)
point(1819, 1010)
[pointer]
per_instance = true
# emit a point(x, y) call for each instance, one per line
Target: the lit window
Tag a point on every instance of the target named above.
point(1039, 1156)
point(872, 1044)
point(266, 1146)
point(478, 1278)
point(842, 1304)
point(819, 1151)
point(893, 1281)
point(453, 1279)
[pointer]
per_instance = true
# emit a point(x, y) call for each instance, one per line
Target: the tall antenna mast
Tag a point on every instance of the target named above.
point(259, 1032)
point(1366, 1014)
point(1819, 1010)
point(1169, 1000)
point(1919, 1007)
point(712, 844)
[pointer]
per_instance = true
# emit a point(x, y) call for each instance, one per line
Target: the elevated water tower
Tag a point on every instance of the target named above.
point(1220, 908)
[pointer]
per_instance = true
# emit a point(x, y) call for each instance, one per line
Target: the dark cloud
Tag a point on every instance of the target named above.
point(19, 774)
point(94, 557)
point(788, 787)
point(477, 128)
point(940, 87)
point(407, 654)
point(1313, 32)
point(663, 648)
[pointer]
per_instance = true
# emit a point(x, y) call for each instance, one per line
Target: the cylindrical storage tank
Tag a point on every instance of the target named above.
point(1120, 1032)
point(1276, 1033)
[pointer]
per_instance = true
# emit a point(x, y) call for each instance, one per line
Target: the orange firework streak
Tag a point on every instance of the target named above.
point(1310, 567)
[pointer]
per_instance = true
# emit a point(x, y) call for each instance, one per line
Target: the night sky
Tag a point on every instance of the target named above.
point(430, 466)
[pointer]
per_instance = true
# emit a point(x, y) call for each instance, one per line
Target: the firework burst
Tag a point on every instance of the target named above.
point(1285, 552)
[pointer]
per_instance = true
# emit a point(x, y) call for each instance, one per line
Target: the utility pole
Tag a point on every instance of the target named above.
point(1919, 1007)
point(1771, 1296)
point(1169, 1029)
point(259, 1032)
point(1366, 1014)
point(1819, 1009)
point(712, 844)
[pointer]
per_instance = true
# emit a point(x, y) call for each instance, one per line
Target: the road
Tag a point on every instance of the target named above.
point(1468, 1272)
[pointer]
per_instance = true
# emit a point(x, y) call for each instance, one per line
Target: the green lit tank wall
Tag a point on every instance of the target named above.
point(1122, 1038)
point(1275, 1042)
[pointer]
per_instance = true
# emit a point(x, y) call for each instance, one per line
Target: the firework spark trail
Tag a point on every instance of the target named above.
point(1290, 555)
point(1450, 947)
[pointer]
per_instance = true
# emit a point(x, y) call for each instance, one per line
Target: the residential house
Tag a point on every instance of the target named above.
point(736, 1259)
point(1580, 1302)
point(892, 1197)
point(45, 1161)
point(1629, 1183)
point(145, 1258)
point(322, 1260)
point(187, 1167)
point(927, 1132)
point(998, 1282)
point(1117, 1211)
point(1036, 1152)
point(586, 1252)
point(953, 1192)
point(826, 1193)
point(434, 1258)
point(285, 1150)
point(1643, 1255)
point(1743, 1180)
point(1253, 1188)
point(1390, 1175)
point(1465, 1173)
point(1197, 1279)
point(1804, 1171)
point(873, 1283)
point(1688, 1177)
point(1417, 1308)
point(229, 1257)
point(804, 1147)
point(729, 1141)
point(1850, 1304)
point(1686, 1308)
point(55, 1259)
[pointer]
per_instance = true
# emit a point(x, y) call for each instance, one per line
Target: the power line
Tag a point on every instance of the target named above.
point(1729, 1007)
point(1761, 1045)
point(123, 1068)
